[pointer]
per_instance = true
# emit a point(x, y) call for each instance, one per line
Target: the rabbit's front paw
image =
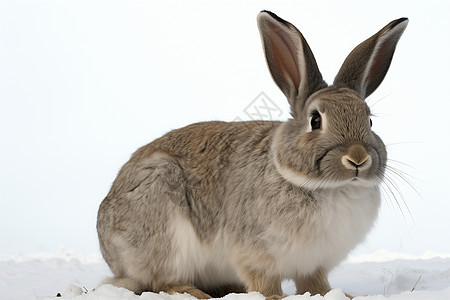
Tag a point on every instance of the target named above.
point(275, 297)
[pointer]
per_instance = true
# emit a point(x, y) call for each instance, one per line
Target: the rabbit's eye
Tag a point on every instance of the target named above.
point(370, 122)
point(316, 121)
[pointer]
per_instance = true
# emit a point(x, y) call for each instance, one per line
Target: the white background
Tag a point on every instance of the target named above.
point(85, 83)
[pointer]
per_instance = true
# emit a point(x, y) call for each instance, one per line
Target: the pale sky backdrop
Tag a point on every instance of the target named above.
point(83, 84)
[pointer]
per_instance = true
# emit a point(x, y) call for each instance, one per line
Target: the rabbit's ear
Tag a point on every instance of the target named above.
point(290, 60)
point(366, 66)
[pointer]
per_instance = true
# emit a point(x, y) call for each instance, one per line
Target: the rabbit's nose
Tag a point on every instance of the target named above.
point(356, 158)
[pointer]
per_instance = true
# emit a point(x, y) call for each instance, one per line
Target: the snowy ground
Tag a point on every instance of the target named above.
point(381, 275)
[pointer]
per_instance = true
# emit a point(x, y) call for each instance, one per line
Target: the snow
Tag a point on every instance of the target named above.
point(381, 275)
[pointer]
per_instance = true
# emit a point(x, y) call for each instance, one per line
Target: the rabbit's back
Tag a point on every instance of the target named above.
point(204, 151)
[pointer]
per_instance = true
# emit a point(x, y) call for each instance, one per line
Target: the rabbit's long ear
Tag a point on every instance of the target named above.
point(290, 60)
point(366, 66)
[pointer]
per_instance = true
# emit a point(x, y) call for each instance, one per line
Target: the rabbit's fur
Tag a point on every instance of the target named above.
point(220, 207)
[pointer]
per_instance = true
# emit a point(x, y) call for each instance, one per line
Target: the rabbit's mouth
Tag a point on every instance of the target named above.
point(363, 180)
point(360, 182)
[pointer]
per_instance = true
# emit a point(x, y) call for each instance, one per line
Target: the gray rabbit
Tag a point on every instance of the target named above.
point(219, 207)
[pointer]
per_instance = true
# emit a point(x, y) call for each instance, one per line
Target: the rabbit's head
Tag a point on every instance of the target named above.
point(329, 142)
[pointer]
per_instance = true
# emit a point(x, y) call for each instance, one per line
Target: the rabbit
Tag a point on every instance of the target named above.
point(233, 207)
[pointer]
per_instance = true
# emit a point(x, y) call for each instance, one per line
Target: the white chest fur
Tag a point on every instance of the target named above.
point(341, 221)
